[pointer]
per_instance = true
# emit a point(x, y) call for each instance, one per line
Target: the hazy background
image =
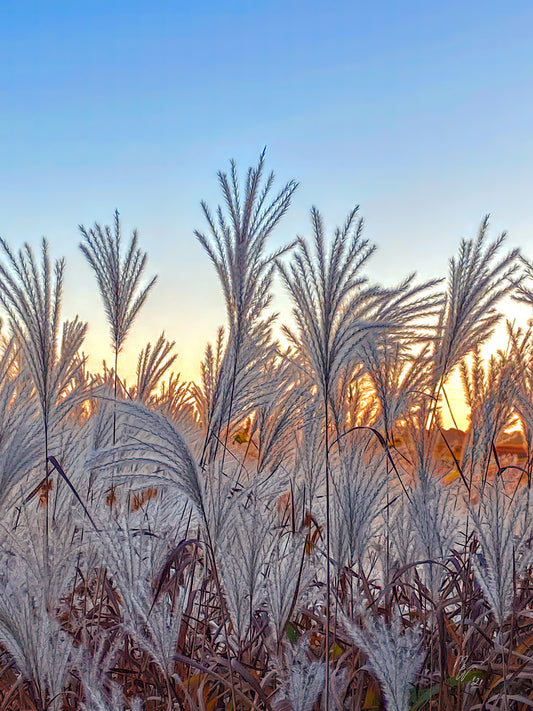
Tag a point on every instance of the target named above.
point(421, 112)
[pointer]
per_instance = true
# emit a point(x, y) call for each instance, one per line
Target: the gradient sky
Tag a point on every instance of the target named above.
point(421, 112)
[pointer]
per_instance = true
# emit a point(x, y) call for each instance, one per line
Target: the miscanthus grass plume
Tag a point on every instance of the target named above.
point(394, 657)
point(296, 531)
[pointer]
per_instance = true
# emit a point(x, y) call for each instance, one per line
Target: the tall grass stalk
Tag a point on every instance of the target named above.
point(118, 275)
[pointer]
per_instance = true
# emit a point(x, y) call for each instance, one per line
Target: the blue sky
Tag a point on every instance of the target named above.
point(421, 112)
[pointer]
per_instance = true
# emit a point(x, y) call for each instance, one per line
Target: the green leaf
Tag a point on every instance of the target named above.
point(292, 633)
point(420, 696)
point(472, 675)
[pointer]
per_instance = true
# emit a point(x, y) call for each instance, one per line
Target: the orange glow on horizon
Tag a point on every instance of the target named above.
point(190, 348)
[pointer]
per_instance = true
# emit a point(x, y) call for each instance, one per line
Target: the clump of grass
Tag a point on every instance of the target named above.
point(297, 531)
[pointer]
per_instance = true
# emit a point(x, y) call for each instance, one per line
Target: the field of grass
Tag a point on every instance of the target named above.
point(296, 531)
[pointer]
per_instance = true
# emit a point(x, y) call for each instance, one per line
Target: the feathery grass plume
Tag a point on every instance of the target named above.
point(434, 521)
point(97, 700)
point(118, 276)
point(43, 652)
point(329, 297)
point(70, 495)
point(236, 244)
point(490, 393)
point(478, 279)
point(240, 390)
point(52, 562)
point(494, 522)
point(336, 312)
point(152, 450)
point(205, 394)
point(303, 681)
point(152, 364)
point(401, 535)
point(521, 354)
point(359, 484)
point(285, 581)
point(176, 400)
point(221, 497)
point(338, 686)
point(394, 657)
point(134, 556)
point(399, 378)
point(330, 301)
point(275, 421)
point(31, 295)
point(32, 299)
point(354, 402)
point(21, 433)
point(524, 293)
point(308, 473)
point(94, 668)
point(245, 551)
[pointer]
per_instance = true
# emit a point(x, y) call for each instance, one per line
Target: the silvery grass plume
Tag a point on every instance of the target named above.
point(176, 401)
point(43, 652)
point(52, 562)
point(134, 555)
point(359, 484)
point(153, 452)
point(338, 685)
point(119, 280)
point(153, 363)
point(236, 244)
point(521, 348)
point(401, 537)
point(31, 295)
point(434, 520)
point(330, 299)
point(102, 411)
point(477, 281)
point(227, 487)
point(394, 657)
point(502, 546)
point(244, 553)
point(330, 304)
point(237, 240)
point(21, 433)
point(354, 403)
point(205, 393)
point(524, 292)
point(243, 385)
point(490, 395)
point(71, 484)
point(302, 682)
point(94, 668)
point(221, 498)
point(286, 579)
point(275, 421)
point(308, 474)
point(335, 310)
point(419, 439)
point(398, 376)
point(118, 276)
point(97, 700)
